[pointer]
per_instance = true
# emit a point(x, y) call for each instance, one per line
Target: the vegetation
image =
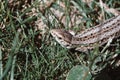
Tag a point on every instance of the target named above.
point(28, 51)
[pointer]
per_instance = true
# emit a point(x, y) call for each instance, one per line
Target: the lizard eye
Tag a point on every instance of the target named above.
point(59, 38)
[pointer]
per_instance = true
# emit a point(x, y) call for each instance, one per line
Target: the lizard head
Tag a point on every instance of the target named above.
point(63, 37)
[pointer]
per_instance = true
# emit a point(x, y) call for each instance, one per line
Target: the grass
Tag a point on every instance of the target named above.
point(28, 52)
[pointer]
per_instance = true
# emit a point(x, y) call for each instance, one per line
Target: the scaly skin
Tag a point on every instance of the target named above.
point(89, 38)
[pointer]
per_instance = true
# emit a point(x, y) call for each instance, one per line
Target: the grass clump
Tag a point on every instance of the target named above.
point(27, 50)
